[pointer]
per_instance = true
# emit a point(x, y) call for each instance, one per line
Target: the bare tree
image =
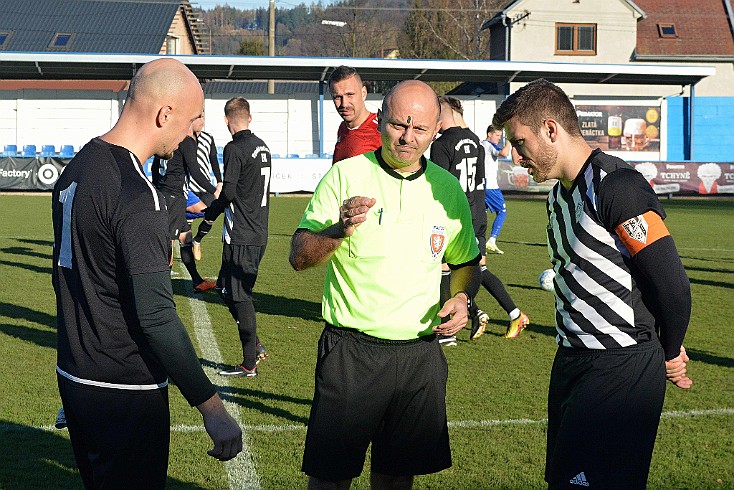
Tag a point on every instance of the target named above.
point(448, 29)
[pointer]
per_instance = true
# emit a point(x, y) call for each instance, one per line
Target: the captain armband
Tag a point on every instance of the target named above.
point(643, 230)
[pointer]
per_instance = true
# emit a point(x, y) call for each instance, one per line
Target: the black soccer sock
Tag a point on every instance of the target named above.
point(495, 287)
point(204, 228)
point(247, 328)
point(187, 257)
point(445, 291)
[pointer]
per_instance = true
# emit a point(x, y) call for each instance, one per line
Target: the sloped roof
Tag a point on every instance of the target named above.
point(702, 26)
point(259, 87)
point(107, 26)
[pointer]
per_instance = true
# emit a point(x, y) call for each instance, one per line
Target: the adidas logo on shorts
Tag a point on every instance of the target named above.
point(579, 479)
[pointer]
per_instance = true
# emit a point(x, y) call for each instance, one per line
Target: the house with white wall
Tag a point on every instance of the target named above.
point(668, 32)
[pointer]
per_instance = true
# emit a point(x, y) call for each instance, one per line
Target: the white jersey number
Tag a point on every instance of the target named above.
point(66, 198)
point(467, 168)
point(265, 172)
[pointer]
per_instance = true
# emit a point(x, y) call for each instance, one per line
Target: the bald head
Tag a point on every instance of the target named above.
point(414, 91)
point(164, 99)
point(408, 123)
point(160, 79)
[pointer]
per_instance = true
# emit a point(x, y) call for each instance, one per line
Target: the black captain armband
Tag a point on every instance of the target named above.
point(468, 298)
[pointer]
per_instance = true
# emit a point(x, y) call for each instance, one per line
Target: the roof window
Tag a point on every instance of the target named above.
point(61, 40)
point(5, 38)
point(667, 30)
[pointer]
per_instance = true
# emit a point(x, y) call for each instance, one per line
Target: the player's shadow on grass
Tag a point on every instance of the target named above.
point(42, 243)
point(708, 358)
point(39, 337)
point(292, 307)
point(35, 458)
point(258, 400)
point(708, 269)
point(706, 282)
point(33, 268)
point(268, 304)
point(27, 252)
point(38, 458)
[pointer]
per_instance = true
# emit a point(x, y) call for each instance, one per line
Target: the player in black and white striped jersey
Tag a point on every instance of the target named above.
point(208, 167)
point(623, 299)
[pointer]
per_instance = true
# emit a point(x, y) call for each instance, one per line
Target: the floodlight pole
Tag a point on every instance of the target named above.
point(271, 43)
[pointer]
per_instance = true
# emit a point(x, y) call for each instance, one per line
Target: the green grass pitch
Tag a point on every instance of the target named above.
point(496, 391)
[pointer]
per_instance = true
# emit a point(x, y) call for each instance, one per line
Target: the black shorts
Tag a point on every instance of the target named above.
point(479, 223)
point(603, 412)
point(390, 393)
point(177, 223)
point(238, 273)
point(120, 438)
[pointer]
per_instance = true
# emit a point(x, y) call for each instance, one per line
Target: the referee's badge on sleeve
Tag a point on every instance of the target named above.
point(438, 240)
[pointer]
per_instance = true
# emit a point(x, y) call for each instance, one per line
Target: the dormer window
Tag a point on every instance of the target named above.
point(667, 30)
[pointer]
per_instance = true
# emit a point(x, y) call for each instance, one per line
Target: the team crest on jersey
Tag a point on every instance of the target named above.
point(636, 228)
point(438, 240)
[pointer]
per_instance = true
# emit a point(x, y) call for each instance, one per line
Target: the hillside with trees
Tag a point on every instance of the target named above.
point(437, 29)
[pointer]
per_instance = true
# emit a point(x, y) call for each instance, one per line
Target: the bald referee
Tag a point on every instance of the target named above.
point(623, 299)
point(383, 221)
point(119, 338)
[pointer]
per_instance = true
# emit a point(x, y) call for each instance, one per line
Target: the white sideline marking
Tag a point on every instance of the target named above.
point(459, 424)
point(241, 471)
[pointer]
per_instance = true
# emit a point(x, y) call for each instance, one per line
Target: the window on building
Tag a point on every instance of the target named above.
point(5, 38)
point(667, 30)
point(171, 45)
point(61, 40)
point(576, 39)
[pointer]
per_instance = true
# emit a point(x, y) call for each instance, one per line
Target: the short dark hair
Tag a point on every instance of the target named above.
point(237, 109)
point(452, 102)
point(342, 73)
point(492, 129)
point(534, 103)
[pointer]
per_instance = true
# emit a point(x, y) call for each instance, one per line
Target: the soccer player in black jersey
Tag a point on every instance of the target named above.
point(119, 338)
point(170, 177)
point(459, 151)
point(245, 200)
point(623, 300)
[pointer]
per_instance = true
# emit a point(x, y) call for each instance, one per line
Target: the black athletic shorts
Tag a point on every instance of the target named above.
point(120, 438)
point(390, 393)
point(177, 223)
point(479, 223)
point(603, 412)
point(238, 273)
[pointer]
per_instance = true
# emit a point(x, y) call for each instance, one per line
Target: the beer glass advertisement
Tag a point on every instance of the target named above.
point(630, 132)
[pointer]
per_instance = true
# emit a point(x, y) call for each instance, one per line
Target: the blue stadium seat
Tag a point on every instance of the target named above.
point(293, 155)
point(48, 151)
point(10, 151)
point(67, 151)
point(311, 155)
point(275, 155)
point(29, 151)
point(327, 155)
